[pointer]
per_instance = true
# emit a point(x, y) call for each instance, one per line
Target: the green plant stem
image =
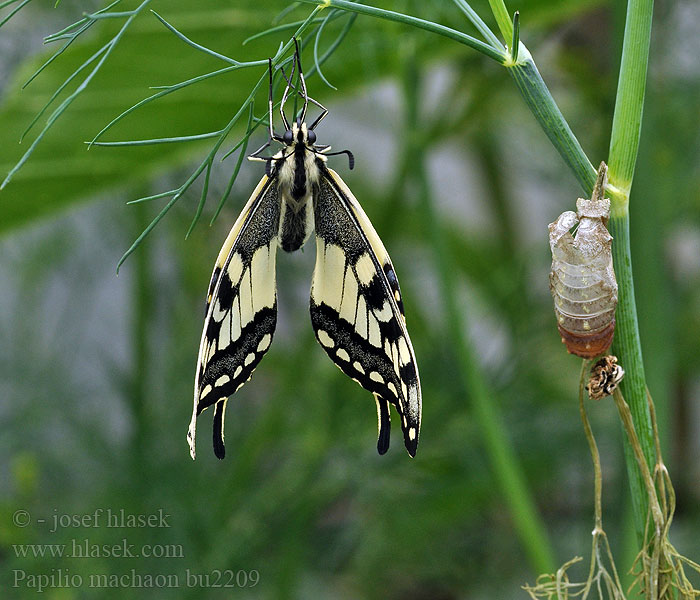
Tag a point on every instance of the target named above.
point(503, 19)
point(524, 72)
point(649, 489)
point(140, 396)
point(629, 102)
point(624, 144)
point(539, 100)
point(497, 54)
point(627, 347)
point(13, 12)
point(476, 20)
point(507, 471)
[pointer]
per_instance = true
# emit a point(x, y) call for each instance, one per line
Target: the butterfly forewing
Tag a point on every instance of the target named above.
point(241, 308)
point(357, 311)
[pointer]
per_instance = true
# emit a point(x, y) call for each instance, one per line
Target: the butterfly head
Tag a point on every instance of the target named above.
point(299, 134)
point(298, 137)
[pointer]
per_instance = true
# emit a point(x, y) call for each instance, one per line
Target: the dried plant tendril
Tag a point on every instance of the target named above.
point(582, 279)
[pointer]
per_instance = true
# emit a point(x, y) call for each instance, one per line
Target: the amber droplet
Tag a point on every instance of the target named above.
point(588, 344)
point(582, 279)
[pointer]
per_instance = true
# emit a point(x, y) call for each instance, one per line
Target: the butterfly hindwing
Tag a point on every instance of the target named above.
point(357, 311)
point(241, 311)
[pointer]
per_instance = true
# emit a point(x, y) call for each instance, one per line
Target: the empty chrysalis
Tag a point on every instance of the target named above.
point(582, 280)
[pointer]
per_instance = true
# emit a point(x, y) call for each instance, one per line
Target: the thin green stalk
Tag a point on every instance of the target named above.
point(99, 53)
point(13, 12)
point(503, 19)
point(524, 72)
point(101, 15)
point(287, 27)
point(70, 39)
point(515, 43)
point(539, 100)
point(142, 303)
point(497, 54)
point(507, 472)
point(194, 44)
point(629, 102)
point(317, 39)
point(7, 3)
point(164, 92)
point(477, 21)
point(627, 347)
point(82, 26)
point(244, 148)
point(624, 144)
point(167, 140)
point(202, 200)
point(592, 445)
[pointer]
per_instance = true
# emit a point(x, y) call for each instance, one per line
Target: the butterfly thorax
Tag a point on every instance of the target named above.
point(299, 171)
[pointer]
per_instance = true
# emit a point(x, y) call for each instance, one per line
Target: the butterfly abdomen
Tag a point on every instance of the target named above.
point(295, 226)
point(298, 182)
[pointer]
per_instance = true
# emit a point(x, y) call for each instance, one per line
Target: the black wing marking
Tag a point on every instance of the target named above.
point(241, 311)
point(357, 312)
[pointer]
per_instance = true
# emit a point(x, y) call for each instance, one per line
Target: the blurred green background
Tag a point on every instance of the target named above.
point(96, 371)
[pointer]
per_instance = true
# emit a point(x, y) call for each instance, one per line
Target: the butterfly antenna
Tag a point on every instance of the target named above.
point(269, 100)
point(286, 94)
point(302, 82)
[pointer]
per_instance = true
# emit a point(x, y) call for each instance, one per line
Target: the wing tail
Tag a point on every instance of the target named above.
point(356, 309)
point(383, 424)
point(218, 434)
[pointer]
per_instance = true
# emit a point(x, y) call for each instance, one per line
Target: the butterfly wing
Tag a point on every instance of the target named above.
point(357, 312)
point(241, 311)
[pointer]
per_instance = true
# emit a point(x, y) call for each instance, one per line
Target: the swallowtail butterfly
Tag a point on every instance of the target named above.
point(356, 306)
point(582, 279)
